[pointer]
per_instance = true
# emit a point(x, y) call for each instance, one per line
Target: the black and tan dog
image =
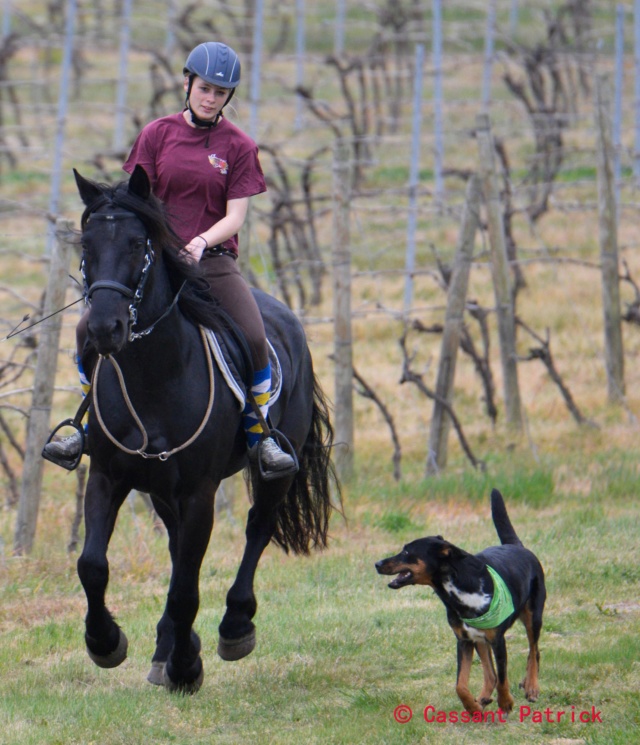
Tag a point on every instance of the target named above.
point(484, 594)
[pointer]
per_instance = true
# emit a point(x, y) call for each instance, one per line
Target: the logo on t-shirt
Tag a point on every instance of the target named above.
point(219, 163)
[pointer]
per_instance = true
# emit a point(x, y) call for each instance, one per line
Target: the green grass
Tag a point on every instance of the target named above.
point(337, 650)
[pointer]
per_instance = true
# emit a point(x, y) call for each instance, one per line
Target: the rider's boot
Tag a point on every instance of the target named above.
point(66, 450)
point(272, 459)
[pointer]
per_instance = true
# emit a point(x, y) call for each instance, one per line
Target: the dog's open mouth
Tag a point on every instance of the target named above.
point(404, 578)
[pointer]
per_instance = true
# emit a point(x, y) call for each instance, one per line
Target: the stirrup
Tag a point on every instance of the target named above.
point(67, 464)
point(286, 447)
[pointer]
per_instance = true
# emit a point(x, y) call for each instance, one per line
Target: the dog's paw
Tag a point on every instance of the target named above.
point(531, 692)
point(468, 701)
point(506, 703)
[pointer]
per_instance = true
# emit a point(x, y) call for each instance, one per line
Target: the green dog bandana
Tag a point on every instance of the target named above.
point(501, 605)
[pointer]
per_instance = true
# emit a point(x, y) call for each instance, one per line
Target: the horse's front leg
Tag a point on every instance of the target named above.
point(164, 631)
point(106, 642)
point(183, 671)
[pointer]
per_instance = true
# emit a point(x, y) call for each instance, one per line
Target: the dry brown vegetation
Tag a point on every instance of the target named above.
point(557, 251)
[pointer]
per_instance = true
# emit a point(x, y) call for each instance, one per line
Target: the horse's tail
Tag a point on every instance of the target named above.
point(302, 520)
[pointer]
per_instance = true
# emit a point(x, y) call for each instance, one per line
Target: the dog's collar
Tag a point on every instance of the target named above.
point(501, 605)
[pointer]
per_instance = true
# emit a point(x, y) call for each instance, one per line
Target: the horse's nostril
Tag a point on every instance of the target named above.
point(107, 335)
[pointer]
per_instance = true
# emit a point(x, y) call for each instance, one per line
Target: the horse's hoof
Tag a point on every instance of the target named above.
point(156, 674)
point(235, 649)
point(115, 658)
point(188, 689)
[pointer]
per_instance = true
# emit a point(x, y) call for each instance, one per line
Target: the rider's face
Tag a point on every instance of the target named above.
point(206, 100)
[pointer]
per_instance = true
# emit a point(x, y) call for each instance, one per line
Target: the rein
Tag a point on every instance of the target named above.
point(136, 297)
point(142, 450)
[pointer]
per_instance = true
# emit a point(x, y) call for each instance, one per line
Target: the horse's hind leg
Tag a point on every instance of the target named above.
point(106, 642)
point(237, 631)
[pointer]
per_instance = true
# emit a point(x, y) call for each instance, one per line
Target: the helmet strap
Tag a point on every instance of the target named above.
point(196, 120)
point(203, 123)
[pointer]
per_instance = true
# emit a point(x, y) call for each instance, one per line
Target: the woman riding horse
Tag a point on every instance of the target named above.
point(205, 169)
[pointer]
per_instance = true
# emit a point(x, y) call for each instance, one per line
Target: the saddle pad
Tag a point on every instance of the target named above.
point(233, 378)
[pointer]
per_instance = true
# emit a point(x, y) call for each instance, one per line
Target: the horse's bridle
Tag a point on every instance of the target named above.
point(134, 295)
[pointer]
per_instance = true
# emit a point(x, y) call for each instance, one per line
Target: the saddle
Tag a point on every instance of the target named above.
point(232, 364)
point(235, 367)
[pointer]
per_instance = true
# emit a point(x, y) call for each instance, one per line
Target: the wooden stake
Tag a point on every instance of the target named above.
point(39, 416)
point(454, 320)
point(607, 223)
point(501, 279)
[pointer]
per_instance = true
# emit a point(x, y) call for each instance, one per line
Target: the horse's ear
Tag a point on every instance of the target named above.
point(139, 184)
point(89, 191)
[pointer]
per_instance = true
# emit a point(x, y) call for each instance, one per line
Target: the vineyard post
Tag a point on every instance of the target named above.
point(636, 91)
point(501, 279)
point(343, 352)
point(62, 115)
point(39, 414)
point(608, 233)
point(123, 78)
point(414, 180)
point(438, 103)
point(454, 319)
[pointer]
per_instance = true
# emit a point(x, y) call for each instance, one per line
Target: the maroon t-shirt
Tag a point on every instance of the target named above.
point(196, 171)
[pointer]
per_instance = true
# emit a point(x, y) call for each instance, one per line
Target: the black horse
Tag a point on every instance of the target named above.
point(164, 421)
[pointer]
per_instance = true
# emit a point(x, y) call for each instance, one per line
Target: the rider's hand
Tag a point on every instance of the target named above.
point(195, 248)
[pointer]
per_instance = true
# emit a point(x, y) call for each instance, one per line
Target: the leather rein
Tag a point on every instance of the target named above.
point(142, 450)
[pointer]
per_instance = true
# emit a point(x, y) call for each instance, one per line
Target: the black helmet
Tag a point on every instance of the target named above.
point(214, 62)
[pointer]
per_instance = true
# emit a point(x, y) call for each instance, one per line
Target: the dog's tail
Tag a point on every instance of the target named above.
point(504, 528)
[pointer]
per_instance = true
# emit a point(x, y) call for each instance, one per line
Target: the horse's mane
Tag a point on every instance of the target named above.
point(195, 302)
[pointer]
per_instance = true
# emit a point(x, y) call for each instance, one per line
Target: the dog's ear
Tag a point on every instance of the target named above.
point(444, 548)
point(448, 550)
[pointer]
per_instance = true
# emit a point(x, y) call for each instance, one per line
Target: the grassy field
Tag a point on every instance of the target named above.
point(338, 652)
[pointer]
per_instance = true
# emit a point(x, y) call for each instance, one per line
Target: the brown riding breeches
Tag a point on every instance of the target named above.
point(232, 291)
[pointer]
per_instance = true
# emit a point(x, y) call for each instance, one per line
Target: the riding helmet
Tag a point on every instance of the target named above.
point(214, 62)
